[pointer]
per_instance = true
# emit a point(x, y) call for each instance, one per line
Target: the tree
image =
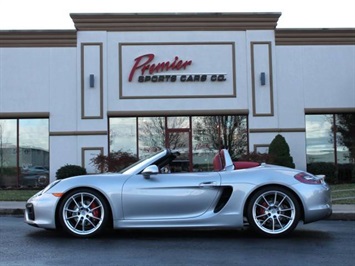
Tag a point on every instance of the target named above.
point(224, 132)
point(114, 162)
point(152, 132)
point(280, 152)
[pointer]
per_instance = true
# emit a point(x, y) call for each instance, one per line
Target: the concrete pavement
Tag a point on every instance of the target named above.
point(340, 211)
point(343, 212)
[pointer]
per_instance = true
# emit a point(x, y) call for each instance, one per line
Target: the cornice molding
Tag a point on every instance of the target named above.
point(315, 36)
point(4, 115)
point(38, 38)
point(175, 21)
point(177, 112)
point(311, 111)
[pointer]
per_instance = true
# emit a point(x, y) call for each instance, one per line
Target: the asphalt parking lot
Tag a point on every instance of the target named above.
point(327, 242)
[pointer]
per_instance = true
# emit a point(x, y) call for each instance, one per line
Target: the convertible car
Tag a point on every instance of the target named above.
point(269, 199)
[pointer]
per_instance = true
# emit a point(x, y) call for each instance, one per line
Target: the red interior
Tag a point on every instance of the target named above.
point(218, 163)
point(245, 164)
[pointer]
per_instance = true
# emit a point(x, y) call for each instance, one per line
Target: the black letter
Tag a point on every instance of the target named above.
point(221, 78)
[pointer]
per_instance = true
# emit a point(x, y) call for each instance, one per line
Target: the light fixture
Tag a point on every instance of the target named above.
point(262, 79)
point(92, 81)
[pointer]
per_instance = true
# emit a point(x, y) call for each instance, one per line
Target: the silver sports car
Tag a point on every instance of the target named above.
point(152, 194)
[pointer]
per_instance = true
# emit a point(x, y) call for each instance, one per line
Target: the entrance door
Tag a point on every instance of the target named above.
point(178, 137)
point(180, 141)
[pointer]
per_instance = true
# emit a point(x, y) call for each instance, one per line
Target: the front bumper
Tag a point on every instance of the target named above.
point(40, 211)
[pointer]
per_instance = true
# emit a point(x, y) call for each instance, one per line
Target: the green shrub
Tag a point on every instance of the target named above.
point(8, 171)
point(323, 168)
point(343, 174)
point(70, 170)
point(279, 151)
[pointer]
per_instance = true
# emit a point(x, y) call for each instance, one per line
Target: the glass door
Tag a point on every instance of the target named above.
point(180, 140)
point(178, 137)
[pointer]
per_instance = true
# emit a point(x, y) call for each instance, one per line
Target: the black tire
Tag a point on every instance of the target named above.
point(83, 213)
point(273, 212)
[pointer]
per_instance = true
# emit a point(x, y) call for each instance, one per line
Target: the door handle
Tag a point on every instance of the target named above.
point(208, 184)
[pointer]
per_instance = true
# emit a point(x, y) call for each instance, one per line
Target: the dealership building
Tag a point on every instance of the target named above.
point(190, 81)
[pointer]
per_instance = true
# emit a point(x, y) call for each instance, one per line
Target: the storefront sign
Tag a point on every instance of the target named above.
point(144, 64)
point(151, 71)
point(177, 70)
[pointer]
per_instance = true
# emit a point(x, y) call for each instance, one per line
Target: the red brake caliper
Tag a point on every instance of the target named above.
point(261, 211)
point(95, 212)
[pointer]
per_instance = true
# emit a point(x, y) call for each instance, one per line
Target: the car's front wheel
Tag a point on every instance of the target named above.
point(83, 213)
point(273, 211)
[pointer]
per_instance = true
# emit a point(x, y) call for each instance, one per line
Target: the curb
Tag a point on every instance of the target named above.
point(14, 212)
point(342, 216)
point(15, 208)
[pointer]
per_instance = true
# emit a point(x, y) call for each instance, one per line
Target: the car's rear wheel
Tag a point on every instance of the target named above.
point(273, 211)
point(83, 213)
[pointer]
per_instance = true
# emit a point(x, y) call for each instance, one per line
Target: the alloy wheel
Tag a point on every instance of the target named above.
point(83, 213)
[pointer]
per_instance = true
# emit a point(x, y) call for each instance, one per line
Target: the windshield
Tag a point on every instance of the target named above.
point(138, 162)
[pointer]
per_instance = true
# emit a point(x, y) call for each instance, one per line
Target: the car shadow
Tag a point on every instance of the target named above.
point(182, 234)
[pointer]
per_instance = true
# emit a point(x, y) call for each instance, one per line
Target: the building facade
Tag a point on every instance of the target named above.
point(194, 82)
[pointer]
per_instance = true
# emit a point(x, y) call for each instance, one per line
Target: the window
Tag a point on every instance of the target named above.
point(330, 140)
point(24, 152)
point(198, 138)
point(151, 135)
point(210, 133)
point(320, 147)
point(123, 135)
point(8, 153)
point(345, 138)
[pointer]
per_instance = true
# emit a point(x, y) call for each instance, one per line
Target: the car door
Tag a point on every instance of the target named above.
point(170, 195)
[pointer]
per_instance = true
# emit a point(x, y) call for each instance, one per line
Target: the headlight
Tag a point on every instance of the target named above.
point(48, 187)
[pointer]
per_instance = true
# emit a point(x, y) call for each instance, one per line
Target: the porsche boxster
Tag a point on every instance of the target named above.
point(269, 199)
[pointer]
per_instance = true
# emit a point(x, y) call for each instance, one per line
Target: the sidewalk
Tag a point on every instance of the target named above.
point(340, 212)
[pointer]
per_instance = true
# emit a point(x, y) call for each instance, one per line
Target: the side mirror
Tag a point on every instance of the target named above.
point(150, 170)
